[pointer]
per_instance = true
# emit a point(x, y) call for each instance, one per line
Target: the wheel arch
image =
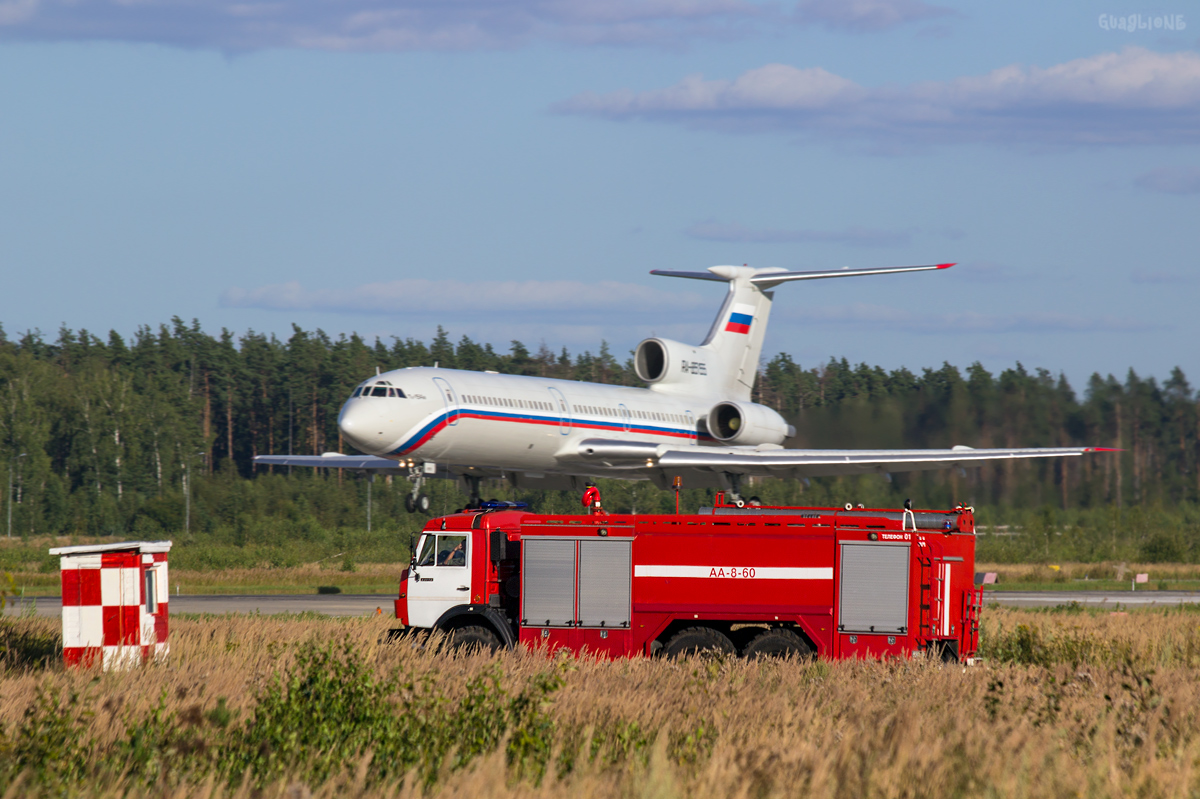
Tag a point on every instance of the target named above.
point(466, 615)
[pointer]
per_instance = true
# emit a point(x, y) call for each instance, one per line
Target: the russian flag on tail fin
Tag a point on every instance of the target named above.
point(740, 318)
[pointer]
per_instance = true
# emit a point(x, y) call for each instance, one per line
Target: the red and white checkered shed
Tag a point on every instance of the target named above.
point(115, 602)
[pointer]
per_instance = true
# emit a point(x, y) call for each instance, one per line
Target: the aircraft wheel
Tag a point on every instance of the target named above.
point(697, 641)
point(409, 504)
point(423, 503)
point(777, 643)
point(473, 638)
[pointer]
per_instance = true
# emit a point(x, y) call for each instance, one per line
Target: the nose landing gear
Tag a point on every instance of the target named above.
point(416, 501)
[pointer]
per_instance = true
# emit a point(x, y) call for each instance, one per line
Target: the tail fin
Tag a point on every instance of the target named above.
point(735, 342)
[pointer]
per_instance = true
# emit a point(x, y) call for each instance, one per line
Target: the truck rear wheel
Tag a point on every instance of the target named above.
point(473, 638)
point(697, 640)
point(777, 643)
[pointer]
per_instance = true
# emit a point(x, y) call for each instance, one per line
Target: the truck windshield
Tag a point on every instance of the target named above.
point(426, 550)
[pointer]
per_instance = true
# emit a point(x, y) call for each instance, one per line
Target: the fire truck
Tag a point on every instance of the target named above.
point(734, 579)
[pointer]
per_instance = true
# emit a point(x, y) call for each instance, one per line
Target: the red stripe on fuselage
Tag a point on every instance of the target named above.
point(461, 414)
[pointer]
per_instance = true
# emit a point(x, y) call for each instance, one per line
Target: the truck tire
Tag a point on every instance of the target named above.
point(777, 643)
point(473, 638)
point(698, 640)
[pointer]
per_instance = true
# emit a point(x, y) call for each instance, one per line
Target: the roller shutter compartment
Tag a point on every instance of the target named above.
point(604, 574)
point(874, 588)
point(549, 583)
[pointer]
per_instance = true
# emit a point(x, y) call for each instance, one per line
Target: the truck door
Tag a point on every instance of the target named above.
point(873, 597)
point(576, 593)
point(441, 578)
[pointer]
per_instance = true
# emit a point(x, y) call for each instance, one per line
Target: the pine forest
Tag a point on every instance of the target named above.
point(154, 437)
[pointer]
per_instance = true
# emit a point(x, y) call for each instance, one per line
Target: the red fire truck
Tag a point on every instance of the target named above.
point(749, 580)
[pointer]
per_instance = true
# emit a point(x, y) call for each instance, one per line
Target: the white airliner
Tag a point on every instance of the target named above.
point(695, 419)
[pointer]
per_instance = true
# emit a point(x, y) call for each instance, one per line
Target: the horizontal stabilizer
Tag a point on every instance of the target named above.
point(691, 275)
point(770, 279)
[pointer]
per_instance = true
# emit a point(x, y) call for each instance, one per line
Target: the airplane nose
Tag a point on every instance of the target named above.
point(362, 427)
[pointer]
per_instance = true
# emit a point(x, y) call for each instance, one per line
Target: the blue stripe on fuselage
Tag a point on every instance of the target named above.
point(427, 431)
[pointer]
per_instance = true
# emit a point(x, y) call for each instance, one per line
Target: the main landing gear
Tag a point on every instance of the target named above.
point(734, 494)
point(416, 501)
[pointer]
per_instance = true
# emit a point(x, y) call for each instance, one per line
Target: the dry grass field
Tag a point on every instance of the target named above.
point(1066, 704)
point(1102, 576)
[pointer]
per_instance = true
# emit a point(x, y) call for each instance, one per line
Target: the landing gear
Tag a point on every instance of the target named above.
point(735, 488)
point(416, 501)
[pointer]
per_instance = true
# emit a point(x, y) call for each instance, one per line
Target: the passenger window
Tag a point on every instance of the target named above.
point(427, 550)
point(452, 550)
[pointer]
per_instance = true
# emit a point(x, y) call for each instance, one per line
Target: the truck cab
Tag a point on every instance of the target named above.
point(459, 580)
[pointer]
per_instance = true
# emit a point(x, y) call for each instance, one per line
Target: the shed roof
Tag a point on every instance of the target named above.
point(140, 546)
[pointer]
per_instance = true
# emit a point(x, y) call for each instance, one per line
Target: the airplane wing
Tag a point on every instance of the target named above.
point(332, 460)
point(779, 462)
point(821, 463)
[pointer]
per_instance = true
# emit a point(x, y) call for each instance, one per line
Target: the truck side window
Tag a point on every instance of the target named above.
point(452, 550)
point(427, 550)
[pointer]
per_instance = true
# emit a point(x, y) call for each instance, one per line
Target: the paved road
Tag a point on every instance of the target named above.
point(329, 604)
point(1128, 599)
point(365, 604)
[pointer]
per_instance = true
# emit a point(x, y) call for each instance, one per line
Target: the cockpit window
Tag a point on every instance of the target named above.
point(379, 389)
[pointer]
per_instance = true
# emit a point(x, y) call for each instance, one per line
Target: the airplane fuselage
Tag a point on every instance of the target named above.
point(509, 421)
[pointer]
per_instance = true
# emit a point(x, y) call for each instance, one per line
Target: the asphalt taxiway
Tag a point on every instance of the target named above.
point(380, 604)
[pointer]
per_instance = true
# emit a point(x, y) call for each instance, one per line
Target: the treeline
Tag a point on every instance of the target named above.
point(99, 435)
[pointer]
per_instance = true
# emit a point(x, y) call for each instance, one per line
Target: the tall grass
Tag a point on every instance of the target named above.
point(1066, 703)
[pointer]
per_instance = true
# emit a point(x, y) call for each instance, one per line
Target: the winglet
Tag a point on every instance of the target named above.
point(945, 266)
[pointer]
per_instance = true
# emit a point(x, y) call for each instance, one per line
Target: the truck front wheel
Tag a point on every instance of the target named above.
point(696, 640)
point(777, 643)
point(473, 637)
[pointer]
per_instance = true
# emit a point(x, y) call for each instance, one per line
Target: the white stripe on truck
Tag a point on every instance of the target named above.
point(735, 572)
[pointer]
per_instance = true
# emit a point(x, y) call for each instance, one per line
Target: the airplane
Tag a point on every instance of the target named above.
point(693, 420)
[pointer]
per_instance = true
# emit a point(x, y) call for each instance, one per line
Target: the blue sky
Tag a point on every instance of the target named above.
point(513, 169)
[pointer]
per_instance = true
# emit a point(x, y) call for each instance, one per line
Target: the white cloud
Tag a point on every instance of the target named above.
point(860, 236)
point(16, 11)
point(1171, 180)
point(363, 25)
point(417, 297)
point(860, 16)
point(1133, 97)
point(1161, 277)
point(898, 319)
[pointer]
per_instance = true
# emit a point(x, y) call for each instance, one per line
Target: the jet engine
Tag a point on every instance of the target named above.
point(747, 423)
point(662, 360)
